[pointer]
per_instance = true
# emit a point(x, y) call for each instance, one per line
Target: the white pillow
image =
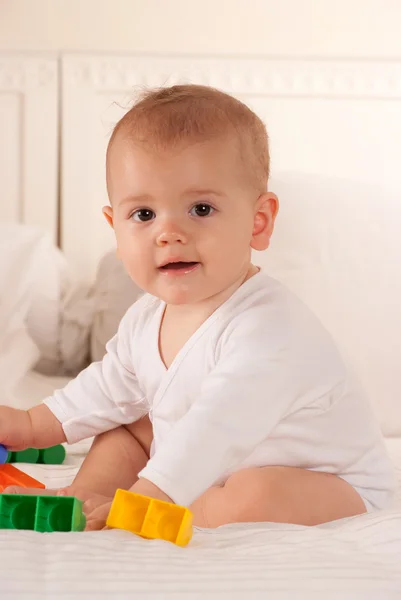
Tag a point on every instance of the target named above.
point(112, 294)
point(337, 244)
point(31, 274)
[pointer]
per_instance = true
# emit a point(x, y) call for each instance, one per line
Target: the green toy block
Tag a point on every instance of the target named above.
point(17, 512)
point(30, 455)
point(52, 456)
point(41, 513)
point(53, 515)
point(44, 456)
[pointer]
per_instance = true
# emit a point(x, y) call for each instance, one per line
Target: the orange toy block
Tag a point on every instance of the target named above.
point(10, 475)
point(150, 518)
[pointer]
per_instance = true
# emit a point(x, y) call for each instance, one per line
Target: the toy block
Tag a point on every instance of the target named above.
point(150, 518)
point(3, 454)
point(17, 512)
point(10, 475)
point(54, 455)
point(59, 513)
point(41, 513)
point(30, 455)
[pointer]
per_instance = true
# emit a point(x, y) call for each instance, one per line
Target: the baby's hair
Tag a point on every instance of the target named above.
point(169, 116)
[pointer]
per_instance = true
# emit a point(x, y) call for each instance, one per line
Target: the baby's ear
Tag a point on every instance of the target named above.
point(266, 210)
point(108, 213)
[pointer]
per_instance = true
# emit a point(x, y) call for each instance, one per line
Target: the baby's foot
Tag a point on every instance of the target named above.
point(96, 507)
point(96, 519)
point(15, 489)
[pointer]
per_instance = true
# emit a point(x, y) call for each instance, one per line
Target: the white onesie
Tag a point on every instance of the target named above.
point(259, 383)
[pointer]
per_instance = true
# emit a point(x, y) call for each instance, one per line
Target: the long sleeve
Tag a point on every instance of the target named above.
point(103, 396)
point(258, 379)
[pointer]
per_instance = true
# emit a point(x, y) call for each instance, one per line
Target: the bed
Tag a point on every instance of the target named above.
point(335, 129)
point(357, 558)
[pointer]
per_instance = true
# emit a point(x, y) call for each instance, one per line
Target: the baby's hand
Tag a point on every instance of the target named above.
point(16, 432)
point(33, 428)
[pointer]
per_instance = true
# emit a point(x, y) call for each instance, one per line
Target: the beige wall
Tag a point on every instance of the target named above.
point(369, 28)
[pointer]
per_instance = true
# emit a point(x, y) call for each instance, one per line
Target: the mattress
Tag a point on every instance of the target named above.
point(356, 558)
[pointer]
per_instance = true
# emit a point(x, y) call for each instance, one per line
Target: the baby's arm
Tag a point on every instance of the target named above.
point(103, 396)
point(34, 428)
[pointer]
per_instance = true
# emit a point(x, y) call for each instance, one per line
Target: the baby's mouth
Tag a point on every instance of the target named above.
point(179, 266)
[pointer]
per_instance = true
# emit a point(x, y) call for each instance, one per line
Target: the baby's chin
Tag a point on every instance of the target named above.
point(180, 292)
point(182, 295)
point(192, 289)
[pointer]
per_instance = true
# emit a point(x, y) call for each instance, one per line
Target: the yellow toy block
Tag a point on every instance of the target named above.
point(149, 518)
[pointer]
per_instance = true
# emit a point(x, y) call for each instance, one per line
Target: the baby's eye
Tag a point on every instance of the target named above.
point(142, 215)
point(201, 210)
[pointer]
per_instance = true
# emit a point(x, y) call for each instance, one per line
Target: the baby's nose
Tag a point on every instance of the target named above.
point(171, 237)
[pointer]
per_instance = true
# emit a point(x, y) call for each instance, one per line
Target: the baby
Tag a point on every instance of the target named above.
point(221, 391)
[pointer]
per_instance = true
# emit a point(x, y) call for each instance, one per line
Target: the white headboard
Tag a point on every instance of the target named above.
point(29, 140)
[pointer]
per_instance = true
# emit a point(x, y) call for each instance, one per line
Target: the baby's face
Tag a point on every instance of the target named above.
point(183, 219)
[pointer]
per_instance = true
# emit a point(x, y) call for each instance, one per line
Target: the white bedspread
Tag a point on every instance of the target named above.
point(358, 558)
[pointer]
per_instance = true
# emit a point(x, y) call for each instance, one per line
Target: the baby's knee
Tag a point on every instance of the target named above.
point(249, 495)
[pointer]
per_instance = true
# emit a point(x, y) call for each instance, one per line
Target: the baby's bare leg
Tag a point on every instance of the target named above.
point(115, 459)
point(278, 494)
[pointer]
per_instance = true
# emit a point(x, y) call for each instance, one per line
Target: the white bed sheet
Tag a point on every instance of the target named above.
point(358, 558)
